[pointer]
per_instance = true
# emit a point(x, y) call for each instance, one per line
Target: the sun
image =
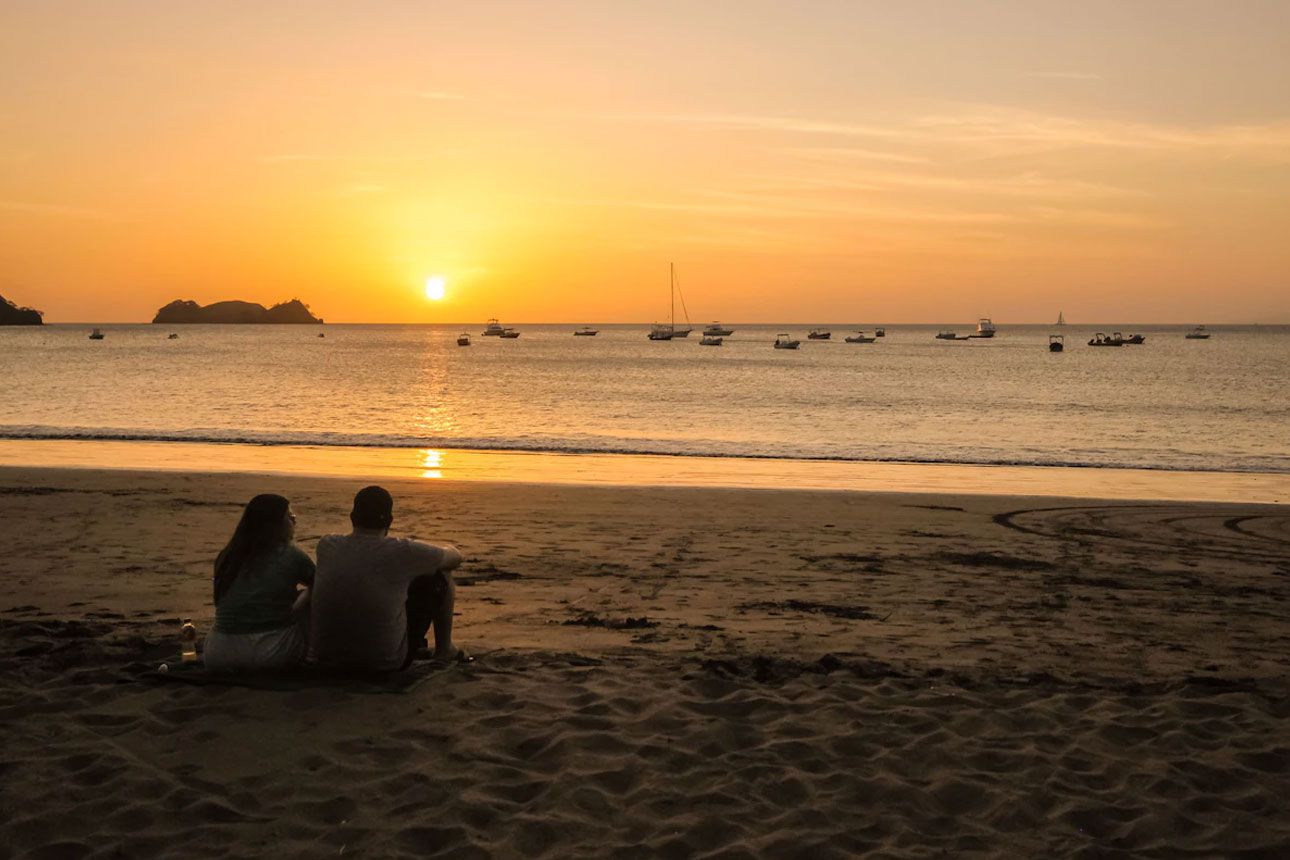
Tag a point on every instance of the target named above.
point(435, 285)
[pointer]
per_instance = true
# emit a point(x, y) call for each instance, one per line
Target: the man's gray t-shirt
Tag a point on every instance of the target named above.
point(358, 617)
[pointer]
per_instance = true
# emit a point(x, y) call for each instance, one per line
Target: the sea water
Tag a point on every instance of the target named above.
point(1170, 404)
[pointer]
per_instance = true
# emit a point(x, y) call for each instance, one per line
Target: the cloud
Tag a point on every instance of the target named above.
point(1067, 76)
point(58, 210)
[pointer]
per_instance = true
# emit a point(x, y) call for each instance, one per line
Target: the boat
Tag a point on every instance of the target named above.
point(711, 340)
point(320, 334)
point(984, 328)
point(948, 335)
point(1101, 339)
point(716, 329)
point(493, 329)
point(173, 336)
point(1061, 319)
point(783, 341)
point(97, 334)
point(819, 334)
point(859, 337)
point(463, 339)
point(1056, 343)
point(880, 332)
point(509, 333)
point(586, 331)
point(1135, 339)
point(1198, 333)
point(669, 331)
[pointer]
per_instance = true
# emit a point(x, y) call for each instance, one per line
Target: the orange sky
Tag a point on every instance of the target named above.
point(815, 161)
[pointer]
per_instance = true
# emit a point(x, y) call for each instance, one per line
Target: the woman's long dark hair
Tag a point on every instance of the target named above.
point(259, 531)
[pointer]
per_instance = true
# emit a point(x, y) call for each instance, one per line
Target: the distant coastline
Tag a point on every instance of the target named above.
point(180, 312)
point(11, 314)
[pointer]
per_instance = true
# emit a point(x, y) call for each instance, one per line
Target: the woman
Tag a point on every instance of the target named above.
point(261, 617)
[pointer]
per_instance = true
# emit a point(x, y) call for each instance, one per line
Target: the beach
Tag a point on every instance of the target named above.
point(674, 672)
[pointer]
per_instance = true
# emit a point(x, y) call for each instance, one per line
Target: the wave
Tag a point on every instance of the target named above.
point(1171, 461)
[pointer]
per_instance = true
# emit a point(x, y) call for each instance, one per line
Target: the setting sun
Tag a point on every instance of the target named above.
point(435, 288)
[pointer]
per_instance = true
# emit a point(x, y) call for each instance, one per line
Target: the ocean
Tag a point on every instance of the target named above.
point(1169, 404)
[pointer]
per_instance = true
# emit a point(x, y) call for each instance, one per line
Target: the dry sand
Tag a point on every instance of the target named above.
point(676, 673)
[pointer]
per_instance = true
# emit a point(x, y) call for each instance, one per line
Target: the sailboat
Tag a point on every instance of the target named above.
point(681, 332)
point(1061, 319)
point(667, 332)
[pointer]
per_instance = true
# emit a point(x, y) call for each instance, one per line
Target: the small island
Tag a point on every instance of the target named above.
point(11, 314)
point(181, 312)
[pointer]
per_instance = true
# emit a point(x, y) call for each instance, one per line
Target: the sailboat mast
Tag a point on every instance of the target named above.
point(672, 284)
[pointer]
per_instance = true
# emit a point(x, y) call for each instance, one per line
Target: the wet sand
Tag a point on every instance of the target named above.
point(690, 672)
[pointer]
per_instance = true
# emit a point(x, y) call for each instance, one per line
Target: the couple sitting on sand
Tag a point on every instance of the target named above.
point(367, 605)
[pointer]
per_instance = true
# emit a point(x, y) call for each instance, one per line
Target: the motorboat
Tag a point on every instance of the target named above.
point(173, 336)
point(661, 332)
point(716, 329)
point(494, 328)
point(97, 334)
point(1198, 333)
point(463, 339)
point(948, 335)
point(819, 334)
point(859, 337)
point(509, 334)
point(586, 331)
point(1056, 343)
point(711, 340)
point(984, 328)
point(1135, 339)
point(783, 341)
point(1101, 339)
point(320, 334)
point(880, 332)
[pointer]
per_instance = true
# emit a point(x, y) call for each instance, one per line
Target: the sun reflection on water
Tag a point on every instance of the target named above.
point(431, 463)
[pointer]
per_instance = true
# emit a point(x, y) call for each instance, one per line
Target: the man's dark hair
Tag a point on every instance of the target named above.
point(373, 509)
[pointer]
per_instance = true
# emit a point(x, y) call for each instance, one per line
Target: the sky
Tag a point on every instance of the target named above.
point(809, 161)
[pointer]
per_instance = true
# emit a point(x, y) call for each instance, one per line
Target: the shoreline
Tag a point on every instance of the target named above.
point(632, 470)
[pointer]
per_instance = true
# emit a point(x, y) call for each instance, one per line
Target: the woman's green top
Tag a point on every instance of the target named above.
point(264, 591)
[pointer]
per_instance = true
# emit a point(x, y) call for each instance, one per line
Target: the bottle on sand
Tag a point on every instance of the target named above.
point(188, 641)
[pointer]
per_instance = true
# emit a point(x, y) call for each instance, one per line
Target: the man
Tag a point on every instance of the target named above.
point(375, 597)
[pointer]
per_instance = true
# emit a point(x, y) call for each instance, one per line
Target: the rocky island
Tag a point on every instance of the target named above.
point(11, 314)
point(181, 312)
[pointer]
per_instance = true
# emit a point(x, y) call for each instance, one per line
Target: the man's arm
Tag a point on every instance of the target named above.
point(451, 558)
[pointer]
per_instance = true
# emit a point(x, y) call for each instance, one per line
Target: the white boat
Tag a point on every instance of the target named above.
point(783, 341)
point(819, 334)
point(859, 337)
point(984, 328)
point(97, 334)
point(1198, 333)
point(463, 339)
point(586, 331)
point(1056, 343)
point(716, 329)
point(509, 333)
point(493, 329)
point(710, 340)
point(660, 332)
point(881, 332)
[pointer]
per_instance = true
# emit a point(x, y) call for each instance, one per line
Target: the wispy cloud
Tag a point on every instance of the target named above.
point(1067, 76)
point(57, 210)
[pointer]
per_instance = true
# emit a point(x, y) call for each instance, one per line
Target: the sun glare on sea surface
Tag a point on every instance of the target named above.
point(435, 285)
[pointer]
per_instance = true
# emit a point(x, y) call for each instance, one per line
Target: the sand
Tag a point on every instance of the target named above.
point(673, 673)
